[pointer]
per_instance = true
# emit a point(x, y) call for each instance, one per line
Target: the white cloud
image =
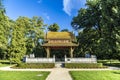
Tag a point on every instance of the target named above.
point(39, 1)
point(46, 16)
point(69, 5)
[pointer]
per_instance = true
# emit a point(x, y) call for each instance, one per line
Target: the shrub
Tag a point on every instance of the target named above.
point(113, 64)
point(103, 61)
point(35, 65)
point(108, 61)
point(84, 65)
point(6, 62)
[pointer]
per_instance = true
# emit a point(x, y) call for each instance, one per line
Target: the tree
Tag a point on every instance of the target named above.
point(111, 15)
point(99, 23)
point(38, 34)
point(54, 27)
point(4, 31)
point(26, 33)
point(65, 30)
point(17, 47)
point(89, 26)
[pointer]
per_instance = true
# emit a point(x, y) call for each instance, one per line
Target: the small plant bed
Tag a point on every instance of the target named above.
point(23, 75)
point(3, 65)
point(84, 65)
point(95, 75)
point(35, 65)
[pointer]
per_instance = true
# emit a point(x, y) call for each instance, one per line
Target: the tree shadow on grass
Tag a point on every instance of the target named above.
point(116, 72)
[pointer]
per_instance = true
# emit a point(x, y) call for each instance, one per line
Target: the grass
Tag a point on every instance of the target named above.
point(95, 75)
point(23, 75)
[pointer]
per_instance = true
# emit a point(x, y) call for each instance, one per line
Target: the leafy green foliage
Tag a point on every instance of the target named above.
point(84, 65)
point(99, 30)
point(35, 65)
point(20, 37)
point(54, 27)
point(115, 63)
point(4, 28)
point(25, 35)
point(17, 47)
point(65, 30)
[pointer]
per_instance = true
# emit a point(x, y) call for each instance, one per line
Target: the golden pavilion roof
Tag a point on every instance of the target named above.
point(59, 35)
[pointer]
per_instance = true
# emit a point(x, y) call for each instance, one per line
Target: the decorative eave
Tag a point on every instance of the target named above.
point(60, 44)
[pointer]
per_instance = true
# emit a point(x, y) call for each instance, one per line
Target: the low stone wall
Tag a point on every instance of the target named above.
point(39, 60)
point(80, 60)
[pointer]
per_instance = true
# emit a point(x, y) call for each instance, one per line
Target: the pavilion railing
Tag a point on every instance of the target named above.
point(92, 59)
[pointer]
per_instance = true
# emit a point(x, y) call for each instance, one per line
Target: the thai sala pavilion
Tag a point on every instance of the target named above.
point(59, 47)
point(60, 41)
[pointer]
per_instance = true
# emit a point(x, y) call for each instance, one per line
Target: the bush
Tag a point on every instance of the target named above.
point(84, 65)
point(113, 64)
point(108, 61)
point(6, 62)
point(102, 61)
point(35, 65)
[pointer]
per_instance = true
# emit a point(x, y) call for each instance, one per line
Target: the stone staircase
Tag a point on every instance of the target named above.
point(59, 65)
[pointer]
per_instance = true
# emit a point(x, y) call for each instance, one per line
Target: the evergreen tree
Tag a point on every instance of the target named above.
point(54, 27)
point(4, 32)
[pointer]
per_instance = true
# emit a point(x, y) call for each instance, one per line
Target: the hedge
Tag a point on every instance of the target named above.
point(35, 65)
point(108, 61)
point(113, 64)
point(84, 65)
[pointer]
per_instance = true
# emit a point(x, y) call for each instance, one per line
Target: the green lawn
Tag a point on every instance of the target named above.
point(95, 75)
point(23, 75)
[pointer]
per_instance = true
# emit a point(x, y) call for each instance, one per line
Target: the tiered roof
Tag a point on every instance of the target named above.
point(60, 36)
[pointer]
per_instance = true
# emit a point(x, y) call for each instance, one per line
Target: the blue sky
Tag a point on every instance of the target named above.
point(52, 11)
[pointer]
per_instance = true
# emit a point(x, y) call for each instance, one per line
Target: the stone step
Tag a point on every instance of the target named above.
point(58, 65)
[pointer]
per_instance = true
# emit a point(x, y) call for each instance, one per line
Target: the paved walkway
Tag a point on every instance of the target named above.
point(59, 74)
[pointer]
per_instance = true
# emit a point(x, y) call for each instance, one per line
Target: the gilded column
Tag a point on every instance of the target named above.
point(48, 52)
point(71, 52)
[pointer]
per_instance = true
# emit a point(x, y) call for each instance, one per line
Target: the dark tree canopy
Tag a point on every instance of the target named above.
point(100, 26)
point(64, 30)
point(54, 27)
